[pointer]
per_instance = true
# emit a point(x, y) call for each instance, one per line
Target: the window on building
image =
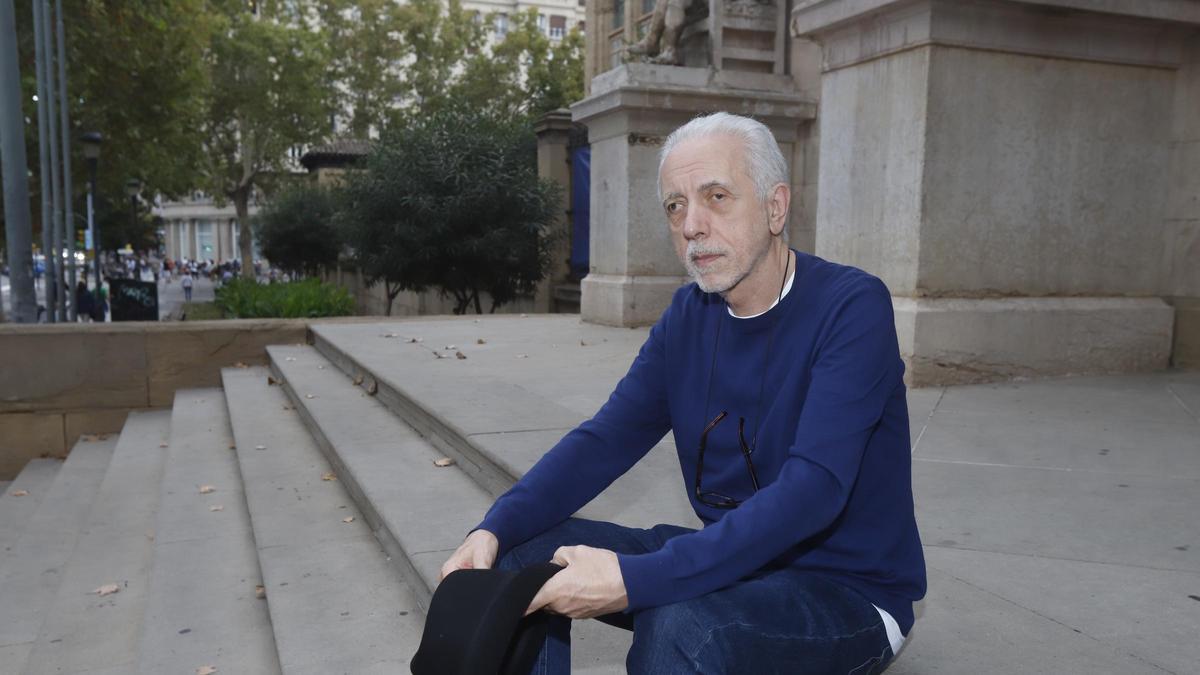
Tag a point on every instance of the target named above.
point(558, 27)
point(618, 13)
point(542, 23)
point(501, 24)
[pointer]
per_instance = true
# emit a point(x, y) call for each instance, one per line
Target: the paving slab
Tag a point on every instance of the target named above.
point(33, 565)
point(15, 510)
point(420, 512)
point(336, 601)
point(83, 631)
point(202, 608)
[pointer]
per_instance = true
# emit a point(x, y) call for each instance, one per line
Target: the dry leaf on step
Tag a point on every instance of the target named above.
point(239, 364)
point(205, 670)
point(260, 447)
point(449, 347)
point(260, 592)
point(460, 356)
point(445, 461)
point(320, 367)
point(162, 445)
point(271, 380)
point(439, 355)
point(20, 493)
point(389, 335)
point(328, 476)
point(289, 358)
point(233, 446)
point(348, 519)
point(216, 507)
point(358, 379)
point(373, 388)
point(481, 341)
point(522, 356)
point(309, 396)
point(107, 589)
point(205, 489)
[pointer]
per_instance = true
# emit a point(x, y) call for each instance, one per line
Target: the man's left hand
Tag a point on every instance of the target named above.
point(590, 586)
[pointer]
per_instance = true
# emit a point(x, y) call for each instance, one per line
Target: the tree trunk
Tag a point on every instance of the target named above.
point(391, 296)
point(475, 295)
point(241, 202)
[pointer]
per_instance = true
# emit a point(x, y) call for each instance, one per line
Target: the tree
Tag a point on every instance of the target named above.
point(367, 57)
point(135, 71)
point(296, 230)
point(452, 202)
point(268, 98)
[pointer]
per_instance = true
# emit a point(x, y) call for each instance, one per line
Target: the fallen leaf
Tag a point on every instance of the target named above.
point(260, 592)
point(481, 341)
point(102, 437)
point(107, 589)
point(162, 445)
point(523, 315)
point(289, 358)
point(582, 343)
point(88, 438)
point(439, 355)
point(389, 335)
point(348, 519)
point(445, 461)
point(20, 493)
point(522, 356)
point(358, 379)
point(233, 446)
point(309, 396)
point(328, 476)
point(320, 367)
point(449, 347)
point(412, 340)
point(216, 507)
point(373, 388)
point(206, 489)
point(460, 356)
point(271, 380)
point(239, 364)
point(260, 447)
point(205, 670)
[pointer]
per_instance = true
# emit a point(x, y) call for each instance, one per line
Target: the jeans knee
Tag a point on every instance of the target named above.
point(668, 639)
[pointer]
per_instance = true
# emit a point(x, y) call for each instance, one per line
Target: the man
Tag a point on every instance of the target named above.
point(780, 376)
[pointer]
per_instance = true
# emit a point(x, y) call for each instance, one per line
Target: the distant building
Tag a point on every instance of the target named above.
point(196, 228)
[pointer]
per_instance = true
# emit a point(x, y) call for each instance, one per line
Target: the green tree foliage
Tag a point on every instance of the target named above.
point(136, 74)
point(296, 230)
point(366, 57)
point(453, 202)
point(268, 72)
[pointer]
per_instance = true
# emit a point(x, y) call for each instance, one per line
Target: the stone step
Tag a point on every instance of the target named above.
point(494, 413)
point(15, 511)
point(202, 608)
point(337, 603)
point(33, 564)
point(419, 511)
point(84, 631)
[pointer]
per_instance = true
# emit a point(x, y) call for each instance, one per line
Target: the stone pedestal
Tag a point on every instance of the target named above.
point(631, 111)
point(1003, 165)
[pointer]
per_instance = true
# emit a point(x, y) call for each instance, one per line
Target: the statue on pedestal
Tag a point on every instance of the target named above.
point(661, 44)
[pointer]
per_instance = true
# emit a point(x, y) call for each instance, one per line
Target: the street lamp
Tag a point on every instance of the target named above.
point(133, 186)
point(91, 150)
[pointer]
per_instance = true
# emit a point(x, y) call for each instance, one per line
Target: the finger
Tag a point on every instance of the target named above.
point(563, 555)
point(544, 597)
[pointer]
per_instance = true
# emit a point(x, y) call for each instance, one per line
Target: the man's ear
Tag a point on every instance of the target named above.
point(777, 208)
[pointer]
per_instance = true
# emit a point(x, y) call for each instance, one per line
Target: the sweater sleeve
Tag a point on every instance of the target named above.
point(857, 367)
point(593, 455)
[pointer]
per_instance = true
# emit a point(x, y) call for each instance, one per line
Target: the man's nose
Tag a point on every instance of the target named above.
point(695, 224)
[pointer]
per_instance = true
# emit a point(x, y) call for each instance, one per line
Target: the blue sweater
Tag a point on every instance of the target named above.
point(832, 452)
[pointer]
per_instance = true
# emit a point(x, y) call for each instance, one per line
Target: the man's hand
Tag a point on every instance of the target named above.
point(590, 586)
point(477, 552)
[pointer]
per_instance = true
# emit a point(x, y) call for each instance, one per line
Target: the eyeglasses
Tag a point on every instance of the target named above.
point(716, 499)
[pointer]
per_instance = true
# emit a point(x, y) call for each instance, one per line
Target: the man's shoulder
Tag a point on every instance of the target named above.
point(835, 281)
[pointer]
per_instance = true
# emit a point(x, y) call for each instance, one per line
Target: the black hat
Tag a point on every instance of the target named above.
point(475, 624)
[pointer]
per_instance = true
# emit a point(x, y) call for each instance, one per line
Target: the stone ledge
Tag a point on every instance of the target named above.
point(959, 341)
point(629, 301)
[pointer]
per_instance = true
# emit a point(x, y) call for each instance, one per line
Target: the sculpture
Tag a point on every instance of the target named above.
point(661, 43)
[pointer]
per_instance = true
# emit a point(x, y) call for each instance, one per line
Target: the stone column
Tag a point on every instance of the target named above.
point(1002, 165)
point(553, 135)
point(632, 109)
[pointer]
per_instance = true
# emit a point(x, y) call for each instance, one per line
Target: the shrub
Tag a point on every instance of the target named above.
point(248, 299)
point(296, 230)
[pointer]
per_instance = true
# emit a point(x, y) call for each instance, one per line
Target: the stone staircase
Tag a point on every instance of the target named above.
point(291, 521)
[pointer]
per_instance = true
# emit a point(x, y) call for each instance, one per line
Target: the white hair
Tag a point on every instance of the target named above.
point(764, 160)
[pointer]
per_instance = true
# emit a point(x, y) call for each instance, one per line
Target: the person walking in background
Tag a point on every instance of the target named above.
point(186, 282)
point(100, 304)
point(83, 301)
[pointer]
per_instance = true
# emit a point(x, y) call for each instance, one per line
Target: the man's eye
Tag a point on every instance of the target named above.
point(719, 196)
point(674, 207)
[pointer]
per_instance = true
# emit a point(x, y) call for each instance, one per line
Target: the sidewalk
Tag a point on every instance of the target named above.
point(1059, 517)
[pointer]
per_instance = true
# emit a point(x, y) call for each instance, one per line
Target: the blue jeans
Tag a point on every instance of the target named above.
point(777, 621)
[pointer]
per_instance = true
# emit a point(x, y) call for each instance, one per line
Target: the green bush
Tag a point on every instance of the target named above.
point(247, 299)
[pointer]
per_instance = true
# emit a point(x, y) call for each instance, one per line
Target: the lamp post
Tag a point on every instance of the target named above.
point(91, 151)
point(133, 186)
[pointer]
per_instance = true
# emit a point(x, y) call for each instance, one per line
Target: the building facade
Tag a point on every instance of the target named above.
point(196, 228)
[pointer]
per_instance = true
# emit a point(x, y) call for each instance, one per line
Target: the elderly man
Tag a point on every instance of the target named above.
point(780, 376)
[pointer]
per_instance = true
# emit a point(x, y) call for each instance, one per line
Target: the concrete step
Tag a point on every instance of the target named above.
point(33, 564)
point(86, 632)
point(15, 511)
point(419, 511)
point(337, 603)
point(202, 609)
point(495, 413)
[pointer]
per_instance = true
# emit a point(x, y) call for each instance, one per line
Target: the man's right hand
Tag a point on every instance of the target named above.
point(478, 552)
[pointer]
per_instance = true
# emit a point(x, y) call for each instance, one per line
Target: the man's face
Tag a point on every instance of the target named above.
point(718, 224)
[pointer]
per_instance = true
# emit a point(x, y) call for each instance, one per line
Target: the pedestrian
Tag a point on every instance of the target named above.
point(786, 369)
point(187, 288)
point(83, 302)
point(100, 304)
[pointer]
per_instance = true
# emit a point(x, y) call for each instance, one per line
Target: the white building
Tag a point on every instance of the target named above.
point(197, 229)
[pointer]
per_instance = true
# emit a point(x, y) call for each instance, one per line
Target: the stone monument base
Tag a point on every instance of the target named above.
point(619, 300)
point(947, 341)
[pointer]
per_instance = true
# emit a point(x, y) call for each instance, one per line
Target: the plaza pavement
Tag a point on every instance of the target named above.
point(1060, 518)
